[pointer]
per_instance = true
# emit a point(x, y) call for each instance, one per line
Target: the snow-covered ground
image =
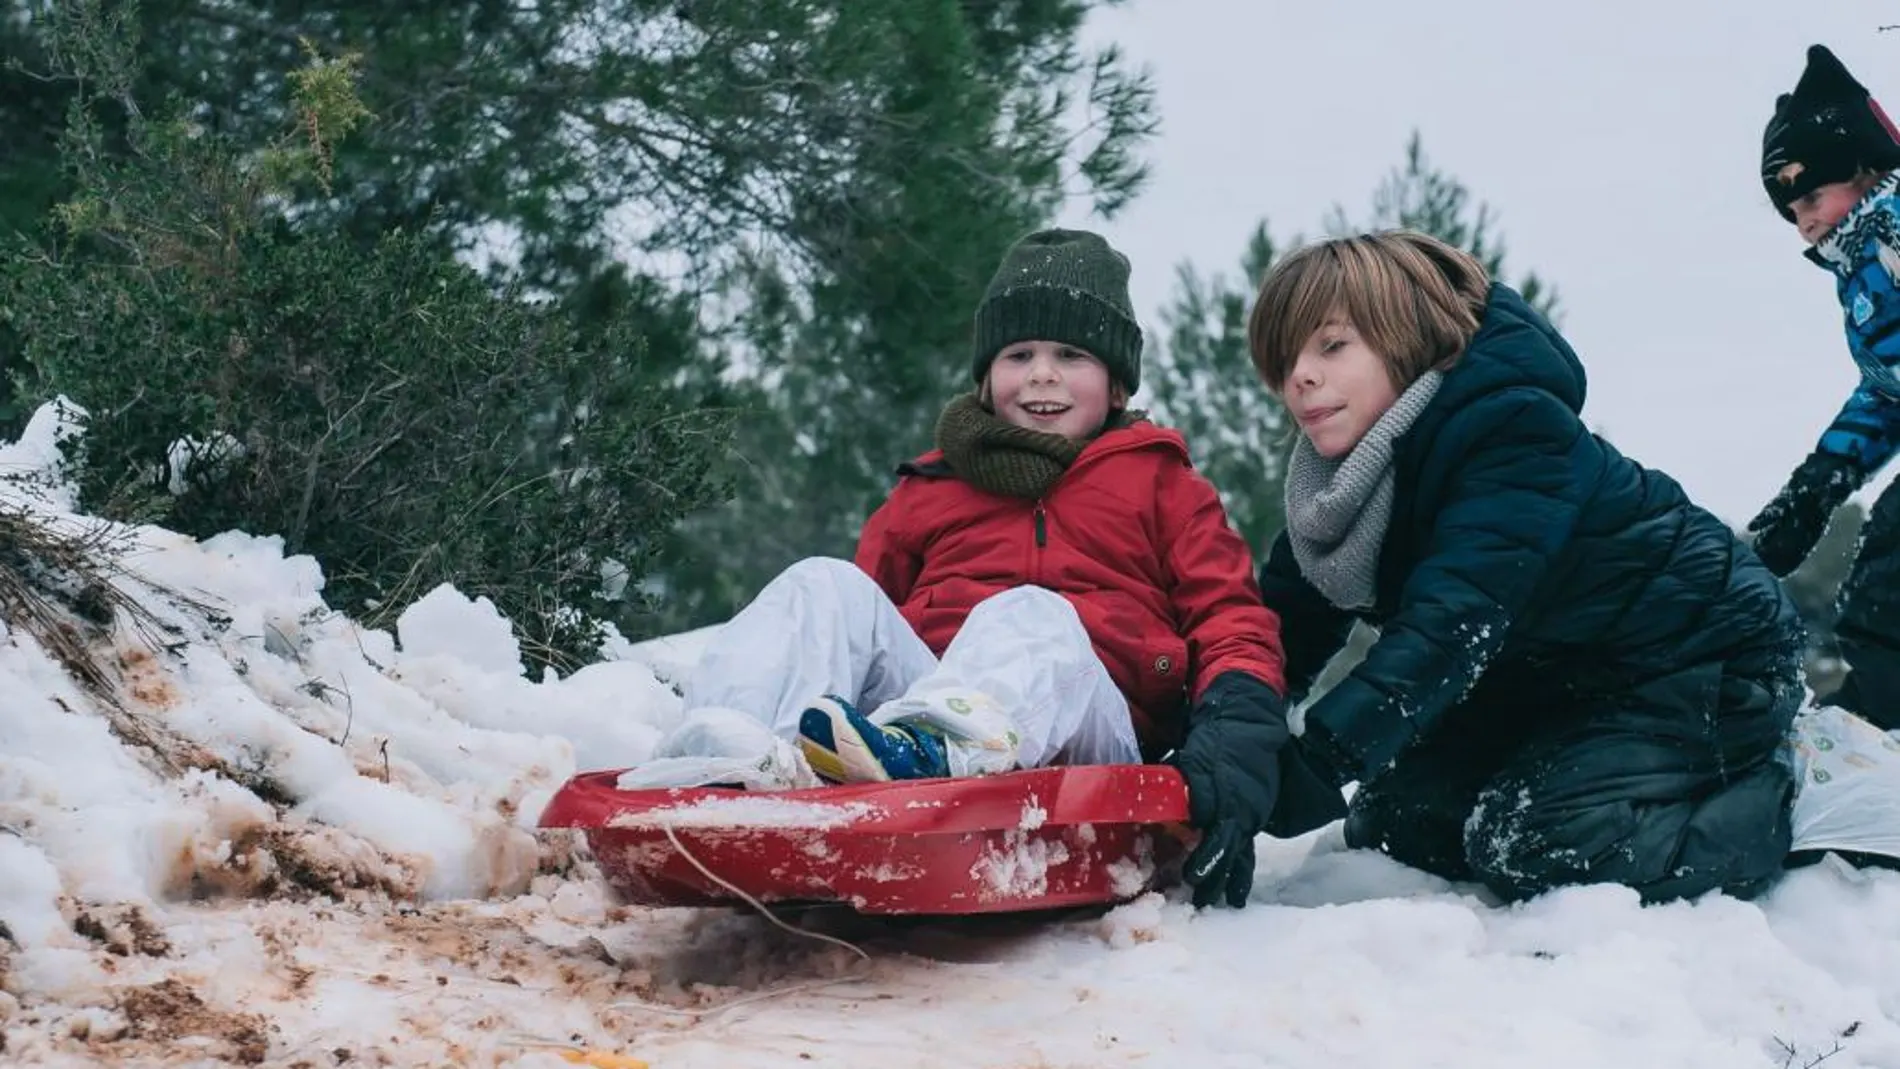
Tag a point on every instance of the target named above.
point(292, 841)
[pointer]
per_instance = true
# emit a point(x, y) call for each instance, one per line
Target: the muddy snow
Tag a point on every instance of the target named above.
point(245, 830)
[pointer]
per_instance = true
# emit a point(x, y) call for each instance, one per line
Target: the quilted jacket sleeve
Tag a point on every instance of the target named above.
point(1867, 428)
point(1866, 432)
point(1519, 467)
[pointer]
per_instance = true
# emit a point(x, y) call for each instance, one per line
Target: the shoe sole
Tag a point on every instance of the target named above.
point(847, 760)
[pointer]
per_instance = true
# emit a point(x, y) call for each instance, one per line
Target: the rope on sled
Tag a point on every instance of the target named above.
point(673, 838)
point(864, 958)
point(756, 996)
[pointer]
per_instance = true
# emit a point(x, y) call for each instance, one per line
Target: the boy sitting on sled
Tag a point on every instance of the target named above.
point(1054, 583)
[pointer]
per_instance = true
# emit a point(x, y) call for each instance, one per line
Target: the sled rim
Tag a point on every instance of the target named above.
point(1056, 796)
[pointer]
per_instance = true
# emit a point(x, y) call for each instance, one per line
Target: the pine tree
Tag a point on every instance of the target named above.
point(1203, 384)
point(856, 360)
point(800, 200)
point(1418, 196)
point(384, 409)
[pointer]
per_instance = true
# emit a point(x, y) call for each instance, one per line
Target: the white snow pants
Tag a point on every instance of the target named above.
point(825, 627)
point(1849, 776)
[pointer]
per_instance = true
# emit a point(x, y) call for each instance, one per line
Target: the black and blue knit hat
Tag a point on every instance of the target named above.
point(1828, 130)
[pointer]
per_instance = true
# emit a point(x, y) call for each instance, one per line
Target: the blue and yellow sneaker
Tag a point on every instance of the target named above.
point(843, 746)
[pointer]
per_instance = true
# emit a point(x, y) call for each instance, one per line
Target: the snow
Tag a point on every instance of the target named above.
point(1033, 817)
point(1020, 867)
point(444, 623)
point(761, 811)
point(323, 854)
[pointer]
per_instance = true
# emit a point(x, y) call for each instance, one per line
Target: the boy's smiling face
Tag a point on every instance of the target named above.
point(1051, 387)
point(1822, 208)
point(1339, 387)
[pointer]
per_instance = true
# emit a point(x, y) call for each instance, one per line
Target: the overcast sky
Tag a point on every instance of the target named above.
point(1618, 143)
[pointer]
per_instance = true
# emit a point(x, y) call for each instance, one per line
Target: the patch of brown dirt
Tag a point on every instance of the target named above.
point(295, 863)
point(564, 852)
point(512, 856)
point(327, 861)
point(123, 932)
point(146, 679)
point(497, 949)
point(168, 1011)
point(449, 936)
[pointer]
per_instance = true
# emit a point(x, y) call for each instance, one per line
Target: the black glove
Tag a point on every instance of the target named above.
point(1231, 762)
point(1787, 530)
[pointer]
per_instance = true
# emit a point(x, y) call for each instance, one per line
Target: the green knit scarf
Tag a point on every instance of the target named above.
point(1002, 458)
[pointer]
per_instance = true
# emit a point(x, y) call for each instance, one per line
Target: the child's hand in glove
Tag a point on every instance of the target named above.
point(1787, 530)
point(1231, 762)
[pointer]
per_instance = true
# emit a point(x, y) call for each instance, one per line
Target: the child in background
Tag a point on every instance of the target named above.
point(1828, 159)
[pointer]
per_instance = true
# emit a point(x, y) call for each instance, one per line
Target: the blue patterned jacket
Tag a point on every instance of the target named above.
point(1863, 253)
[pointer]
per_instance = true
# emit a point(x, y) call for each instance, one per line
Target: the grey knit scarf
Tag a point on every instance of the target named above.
point(1337, 510)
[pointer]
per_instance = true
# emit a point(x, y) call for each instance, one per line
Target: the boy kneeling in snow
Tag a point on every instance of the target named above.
point(1580, 676)
point(1053, 584)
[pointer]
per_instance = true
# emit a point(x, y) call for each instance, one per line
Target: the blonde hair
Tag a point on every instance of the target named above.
point(1414, 299)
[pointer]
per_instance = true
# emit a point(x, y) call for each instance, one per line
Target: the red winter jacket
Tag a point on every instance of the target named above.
point(1131, 534)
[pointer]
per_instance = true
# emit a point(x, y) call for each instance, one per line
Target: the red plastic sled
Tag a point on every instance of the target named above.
point(1040, 838)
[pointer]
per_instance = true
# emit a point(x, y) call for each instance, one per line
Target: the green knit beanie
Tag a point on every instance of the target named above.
point(1066, 286)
